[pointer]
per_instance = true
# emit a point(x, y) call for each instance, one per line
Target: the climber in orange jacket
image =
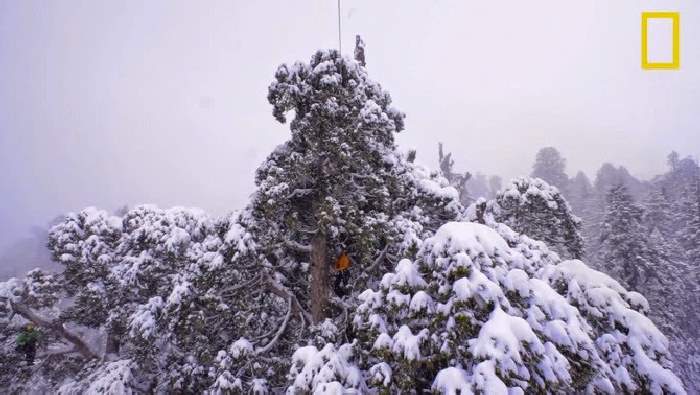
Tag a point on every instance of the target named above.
point(342, 264)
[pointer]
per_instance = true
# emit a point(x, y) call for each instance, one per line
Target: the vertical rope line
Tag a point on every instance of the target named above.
point(340, 42)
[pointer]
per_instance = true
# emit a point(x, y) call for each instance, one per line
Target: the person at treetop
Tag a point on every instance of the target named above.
point(27, 341)
point(342, 264)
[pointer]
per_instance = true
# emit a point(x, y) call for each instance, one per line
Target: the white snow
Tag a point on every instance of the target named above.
point(452, 381)
point(323, 371)
point(179, 292)
point(502, 338)
point(405, 273)
point(143, 321)
point(111, 378)
point(407, 344)
point(467, 236)
point(241, 348)
point(421, 301)
point(381, 373)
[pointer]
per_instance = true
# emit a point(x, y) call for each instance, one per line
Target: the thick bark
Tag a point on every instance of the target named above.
point(114, 335)
point(320, 278)
point(53, 326)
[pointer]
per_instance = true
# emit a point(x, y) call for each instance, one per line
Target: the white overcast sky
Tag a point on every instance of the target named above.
point(111, 102)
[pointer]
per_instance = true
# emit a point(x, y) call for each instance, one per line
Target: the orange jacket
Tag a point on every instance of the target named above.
point(343, 262)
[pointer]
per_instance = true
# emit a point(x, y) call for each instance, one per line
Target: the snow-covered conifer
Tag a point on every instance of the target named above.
point(339, 182)
point(533, 207)
point(488, 310)
point(625, 252)
point(551, 166)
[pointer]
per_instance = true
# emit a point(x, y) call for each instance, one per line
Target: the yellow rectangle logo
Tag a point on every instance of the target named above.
point(675, 63)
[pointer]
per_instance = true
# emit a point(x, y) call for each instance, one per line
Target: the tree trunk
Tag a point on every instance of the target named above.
point(53, 326)
point(114, 335)
point(320, 278)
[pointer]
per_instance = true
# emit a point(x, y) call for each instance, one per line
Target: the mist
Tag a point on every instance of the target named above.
point(111, 103)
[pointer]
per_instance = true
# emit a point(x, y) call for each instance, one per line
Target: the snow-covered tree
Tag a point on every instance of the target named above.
point(689, 216)
point(157, 300)
point(679, 226)
point(145, 291)
point(200, 304)
point(681, 173)
point(533, 207)
point(484, 310)
point(609, 176)
point(580, 192)
point(339, 183)
point(657, 212)
point(672, 159)
point(551, 166)
point(640, 247)
point(625, 252)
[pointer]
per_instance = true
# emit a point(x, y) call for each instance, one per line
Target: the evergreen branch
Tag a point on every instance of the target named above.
point(280, 331)
point(379, 259)
point(297, 246)
point(284, 293)
point(232, 290)
point(300, 192)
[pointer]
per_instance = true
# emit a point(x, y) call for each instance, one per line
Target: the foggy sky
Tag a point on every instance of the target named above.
point(126, 102)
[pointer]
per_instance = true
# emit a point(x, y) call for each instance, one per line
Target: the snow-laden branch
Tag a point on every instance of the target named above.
point(379, 259)
point(342, 322)
point(54, 326)
point(280, 331)
point(277, 289)
point(297, 246)
point(232, 290)
point(299, 192)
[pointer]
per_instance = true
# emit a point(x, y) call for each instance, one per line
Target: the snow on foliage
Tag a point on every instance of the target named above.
point(112, 378)
point(144, 281)
point(322, 371)
point(504, 317)
point(533, 207)
point(186, 303)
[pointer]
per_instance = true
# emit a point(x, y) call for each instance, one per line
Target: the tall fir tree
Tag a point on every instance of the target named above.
point(690, 221)
point(551, 166)
point(625, 252)
point(580, 193)
point(657, 212)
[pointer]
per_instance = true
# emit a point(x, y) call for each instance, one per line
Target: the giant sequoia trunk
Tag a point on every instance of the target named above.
point(320, 277)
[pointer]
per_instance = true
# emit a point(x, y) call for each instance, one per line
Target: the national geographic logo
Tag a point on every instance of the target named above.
point(661, 39)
